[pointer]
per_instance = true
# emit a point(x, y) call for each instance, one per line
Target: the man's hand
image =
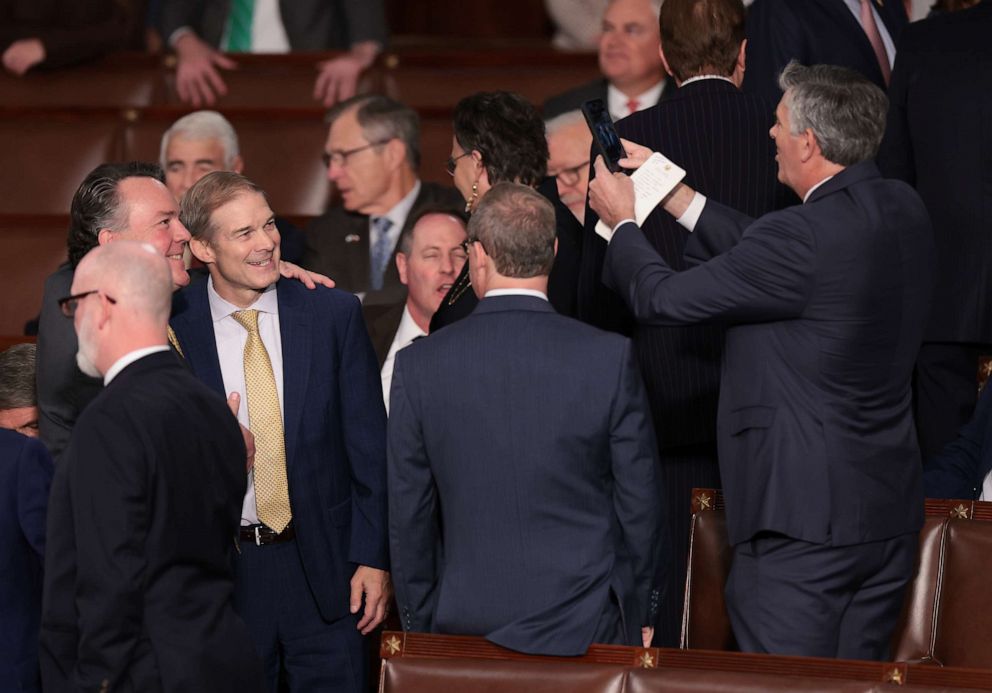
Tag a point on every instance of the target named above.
point(309, 279)
point(647, 635)
point(611, 195)
point(637, 154)
point(337, 79)
point(378, 590)
point(22, 55)
point(197, 78)
point(234, 403)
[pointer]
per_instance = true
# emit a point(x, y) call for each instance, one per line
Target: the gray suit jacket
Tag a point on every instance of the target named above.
point(311, 25)
point(337, 244)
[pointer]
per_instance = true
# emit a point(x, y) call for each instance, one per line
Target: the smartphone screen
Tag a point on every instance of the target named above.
point(603, 133)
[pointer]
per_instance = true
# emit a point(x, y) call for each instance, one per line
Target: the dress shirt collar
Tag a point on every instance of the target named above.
point(220, 308)
point(616, 100)
point(401, 210)
point(516, 292)
point(129, 358)
point(700, 78)
point(813, 189)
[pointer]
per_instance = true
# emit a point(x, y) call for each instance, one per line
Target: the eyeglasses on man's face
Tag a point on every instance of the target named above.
point(453, 161)
point(69, 304)
point(339, 157)
point(467, 243)
point(570, 176)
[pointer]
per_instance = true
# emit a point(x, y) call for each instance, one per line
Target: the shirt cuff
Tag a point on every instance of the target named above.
point(621, 223)
point(178, 34)
point(690, 217)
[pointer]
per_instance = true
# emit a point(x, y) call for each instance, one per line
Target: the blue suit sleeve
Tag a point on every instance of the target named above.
point(768, 275)
point(636, 486)
point(34, 479)
point(364, 428)
point(959, 469)
point(413, 516)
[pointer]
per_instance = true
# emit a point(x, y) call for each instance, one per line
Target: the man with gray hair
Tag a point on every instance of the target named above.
point(569, 142)
point(145, 504)
point(531, 431)
point(824, 305)
point(372, 155)
point(18, 398)
point(205, 141)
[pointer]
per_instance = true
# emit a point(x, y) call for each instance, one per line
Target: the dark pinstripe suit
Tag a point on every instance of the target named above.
point(720, 136)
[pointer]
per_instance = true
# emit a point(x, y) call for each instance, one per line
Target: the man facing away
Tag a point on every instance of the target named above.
point(138, 580)
point(531, 431)
point(311, 576)
point(825, 305)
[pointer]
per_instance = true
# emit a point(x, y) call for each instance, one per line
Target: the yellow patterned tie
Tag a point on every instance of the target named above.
point(265, 422)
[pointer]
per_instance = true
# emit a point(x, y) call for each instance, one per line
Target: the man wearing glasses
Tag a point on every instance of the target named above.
point(569, 143)
point(138, 569)
point(372, 155)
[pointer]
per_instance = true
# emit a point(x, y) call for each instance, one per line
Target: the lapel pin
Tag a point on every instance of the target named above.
point(352, 238)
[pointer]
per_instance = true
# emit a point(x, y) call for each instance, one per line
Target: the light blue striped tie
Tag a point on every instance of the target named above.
point(381, 250)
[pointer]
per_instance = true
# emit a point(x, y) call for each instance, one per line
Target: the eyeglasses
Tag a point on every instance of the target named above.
point(340, 157)
point(452, 160)
point(570, 176)
point(69, 304)
point(467, 243)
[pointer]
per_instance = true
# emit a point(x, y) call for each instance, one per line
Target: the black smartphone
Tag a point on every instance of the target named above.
point(604, 134)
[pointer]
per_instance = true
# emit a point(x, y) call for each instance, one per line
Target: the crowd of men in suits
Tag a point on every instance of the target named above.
point(230, 510)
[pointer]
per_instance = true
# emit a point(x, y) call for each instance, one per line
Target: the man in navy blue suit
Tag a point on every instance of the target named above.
point(25, 476)
point(521, 450)
point(857, 34)
point(824, 305)
point(311, 578)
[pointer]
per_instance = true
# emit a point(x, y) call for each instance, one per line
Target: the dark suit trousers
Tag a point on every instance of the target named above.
point(946, 391)
point(791, 597)
point(273, 597)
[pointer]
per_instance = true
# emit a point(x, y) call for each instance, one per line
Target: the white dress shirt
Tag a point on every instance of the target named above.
point(516, 292)
point(129, 358)
point(407, 331)
point(616, 100)
point(231, 338)
point(268, 33)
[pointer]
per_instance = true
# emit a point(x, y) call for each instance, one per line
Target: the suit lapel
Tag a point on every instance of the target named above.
point(195, 330)
point(859, 38)
point(295, 329)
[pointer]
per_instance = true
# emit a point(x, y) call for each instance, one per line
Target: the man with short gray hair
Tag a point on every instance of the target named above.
point(18, 394)
point(531, 431)
point(824, 305)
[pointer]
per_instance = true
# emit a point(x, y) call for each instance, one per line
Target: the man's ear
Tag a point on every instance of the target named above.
point(738, 75)
point(556, 246)
point(104, 236)
point(401, 267)
point(202, 251)
point(238, 165)
point(395, 152)
point(810, 145)
point(664, 61)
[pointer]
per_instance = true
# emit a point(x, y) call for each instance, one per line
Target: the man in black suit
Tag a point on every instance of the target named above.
point(857, 34)
point(195, 29)
point(145, 509)
point(530, 430)
point(633, 77)
point(825, 304)
point(938, 140)
point(372, 154)
point(429, 256)
point(720, 136)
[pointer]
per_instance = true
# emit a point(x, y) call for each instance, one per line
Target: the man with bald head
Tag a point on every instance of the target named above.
point(138, 574)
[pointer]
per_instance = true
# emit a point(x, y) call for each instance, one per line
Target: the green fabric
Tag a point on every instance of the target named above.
point(239, 26)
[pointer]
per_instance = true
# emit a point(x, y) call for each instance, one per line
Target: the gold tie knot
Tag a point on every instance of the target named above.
point(248, 319)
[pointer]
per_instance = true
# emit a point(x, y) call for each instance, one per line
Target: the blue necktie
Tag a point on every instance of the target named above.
point(381, 251)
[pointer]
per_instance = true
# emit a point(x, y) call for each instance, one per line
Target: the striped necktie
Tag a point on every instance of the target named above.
point(239, 26)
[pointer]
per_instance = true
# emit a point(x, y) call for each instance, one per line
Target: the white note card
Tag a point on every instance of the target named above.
point(653, 181)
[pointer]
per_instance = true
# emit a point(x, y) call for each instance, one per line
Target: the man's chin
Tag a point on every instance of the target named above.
point(180, 280)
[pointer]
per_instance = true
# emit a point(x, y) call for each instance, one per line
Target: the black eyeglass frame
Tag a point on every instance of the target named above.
point(453, 161)
point(340, 157)
point(69, 304)
point(573, 173)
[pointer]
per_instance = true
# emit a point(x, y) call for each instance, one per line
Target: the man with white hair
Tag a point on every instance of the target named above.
point(205, 141)
point(569, 143)
point(633, 76)
point(138, 575)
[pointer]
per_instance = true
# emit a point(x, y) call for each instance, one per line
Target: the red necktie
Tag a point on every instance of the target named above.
point(632, 105)
point(875, 39)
